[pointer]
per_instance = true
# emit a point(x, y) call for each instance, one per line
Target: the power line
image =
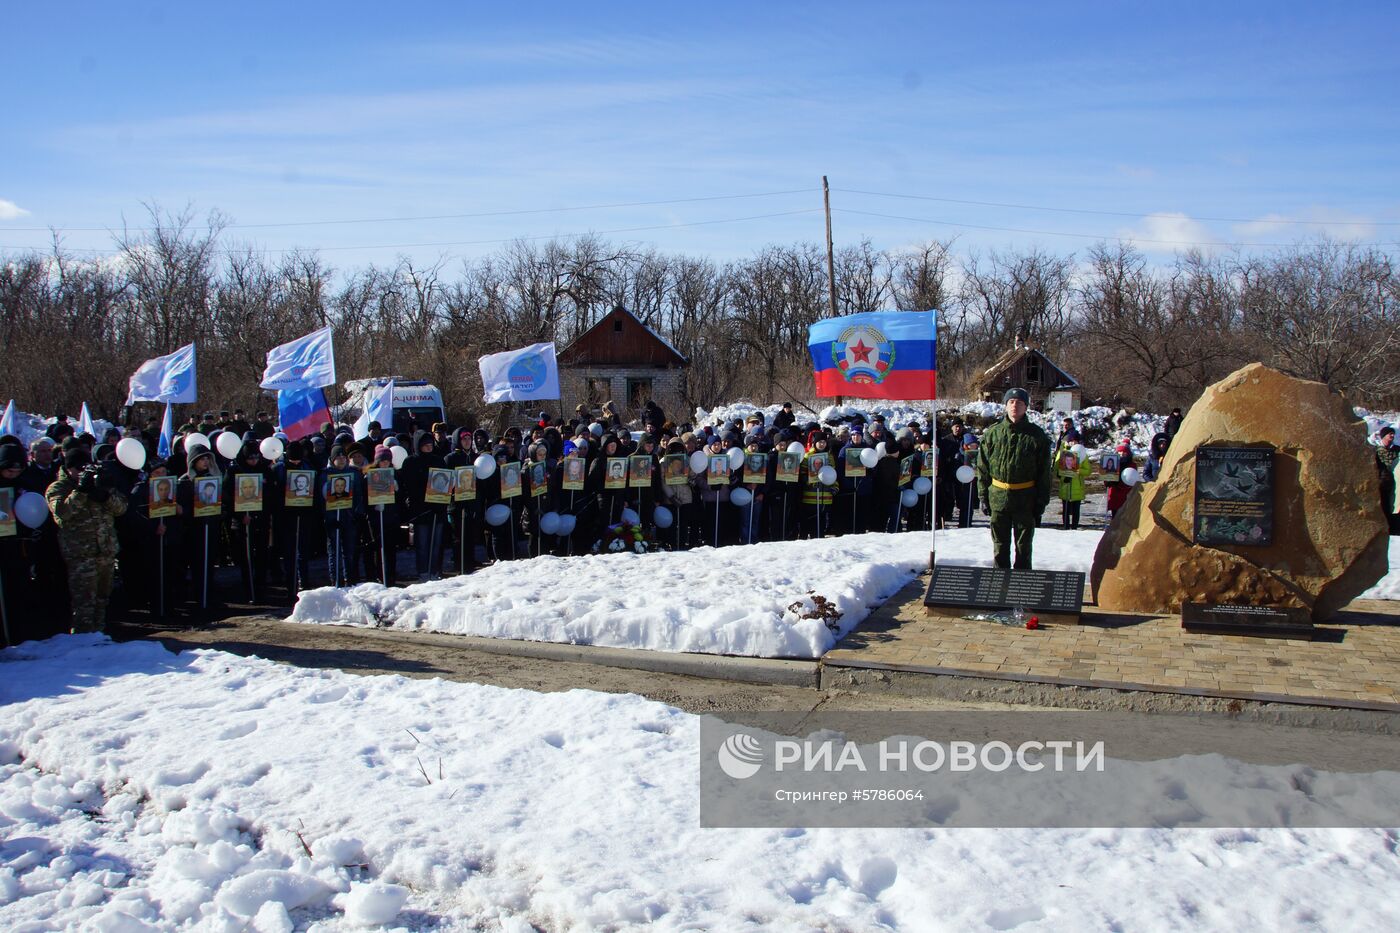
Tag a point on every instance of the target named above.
point(1080, 210)
point(386, 220)
point(1081, 236)
point(549, 236)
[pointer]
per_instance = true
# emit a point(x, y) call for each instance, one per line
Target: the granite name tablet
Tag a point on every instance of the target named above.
point(1051, 591)
point(1260, 621)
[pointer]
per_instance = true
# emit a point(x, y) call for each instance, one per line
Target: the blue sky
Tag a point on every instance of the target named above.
point(306, 112)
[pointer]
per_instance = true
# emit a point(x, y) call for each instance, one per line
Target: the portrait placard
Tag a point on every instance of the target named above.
point(339, 493)
point(162, 497)
point(673, 469)
point(208, 497)
point(575, 473)
point(464, 485)
point(439, 491)
point(248, 492)
point(379, 485)
point(616, 477)
point(300, 488)
point(639, 471)
point(510, 480)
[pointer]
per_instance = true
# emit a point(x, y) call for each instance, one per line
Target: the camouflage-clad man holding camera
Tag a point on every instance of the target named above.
point(84, 503)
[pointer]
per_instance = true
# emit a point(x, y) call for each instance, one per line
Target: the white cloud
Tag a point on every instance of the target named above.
point(9, 210)
point(1340, 225)
point(1167, 232)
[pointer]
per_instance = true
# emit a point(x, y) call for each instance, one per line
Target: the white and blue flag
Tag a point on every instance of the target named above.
point(167, 435)
point(85, 425)
point(379, 406)
point(165, 379)
point(305, 363)
point(521, 375)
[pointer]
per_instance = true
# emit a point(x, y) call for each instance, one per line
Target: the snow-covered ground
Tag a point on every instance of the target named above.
point(731, 600)
point(141, 790)
point(32, 427)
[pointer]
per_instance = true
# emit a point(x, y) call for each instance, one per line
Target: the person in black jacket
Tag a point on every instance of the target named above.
point(160, 542)
point(297, 527)
point(247, 504)
point(429, 519)
point(200, 532)
point(466, 513)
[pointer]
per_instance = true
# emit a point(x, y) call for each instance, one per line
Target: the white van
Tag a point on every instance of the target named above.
point(414, 400)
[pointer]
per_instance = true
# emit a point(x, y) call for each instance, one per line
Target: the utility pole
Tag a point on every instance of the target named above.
point(830, 256)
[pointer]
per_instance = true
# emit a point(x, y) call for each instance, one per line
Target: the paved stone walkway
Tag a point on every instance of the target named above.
point(1354, 660)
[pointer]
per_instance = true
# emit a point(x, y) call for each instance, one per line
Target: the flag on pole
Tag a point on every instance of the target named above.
point(85, 422)
point(168, 378)
point(305, 363)
point(379, 406)
point(167, 435)
point(302, 411)
point(521, 375)
point(9, 423)
point(877, 354)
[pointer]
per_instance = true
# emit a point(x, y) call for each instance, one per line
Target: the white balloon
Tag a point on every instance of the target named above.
point(908, 498)
point(549, 523)
point(827, 476)
point(595, 429)
point(736, 457)
point(271, 448)
point(699, 462)
point(498, 514)
point(630, 517)
point(131, 453)
point(566, 524)
point(485, 465)
point(194, 437)
point(796, 448)
point(228, 444)
point(1078, 450)
point(922, 484)
point(31, 509)
point(741, 497)
point(869, 457)
point(662, 517)
point(1130, 476)
point(880, 450)
point(965, 474)
point(400, 454)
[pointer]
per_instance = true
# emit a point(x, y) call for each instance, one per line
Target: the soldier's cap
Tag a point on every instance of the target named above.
point(1020, 394)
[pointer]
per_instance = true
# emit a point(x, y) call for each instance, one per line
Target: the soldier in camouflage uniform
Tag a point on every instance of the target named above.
point(84, 505)
point(1015, 479)
point(1387, 455)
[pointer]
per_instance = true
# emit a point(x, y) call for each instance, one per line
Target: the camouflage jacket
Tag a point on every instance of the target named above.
point(85, 526)
point(1015, 452)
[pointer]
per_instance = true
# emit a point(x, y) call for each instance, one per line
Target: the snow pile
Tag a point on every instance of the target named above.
point(33, 427)
point(142, 790)
point(731, 600)
point(897, 414)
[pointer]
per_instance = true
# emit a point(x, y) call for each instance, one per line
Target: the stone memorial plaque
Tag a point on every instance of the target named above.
point(1058, 592)
point(1234, 496)
point(1262, 621)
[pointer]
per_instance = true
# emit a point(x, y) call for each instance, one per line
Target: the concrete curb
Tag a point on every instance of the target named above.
point(786, 673)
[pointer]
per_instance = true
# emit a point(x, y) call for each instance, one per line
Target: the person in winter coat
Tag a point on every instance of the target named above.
point(854, 508)
point(1113, 466)
point(1155, 455)
point(680, 499)
point(381, 545)
point(200, 533)
point(1070, 473)
point(160, 540)
point(784, 419)
point(817, 497)
point(429, 519)
point(247, 503)
point(716, 520)
point(84, 503)
point(342, 496)
point(466, 513)
point(750, 524)
point(297, 527)
point(17, 594)
point(1387, 456)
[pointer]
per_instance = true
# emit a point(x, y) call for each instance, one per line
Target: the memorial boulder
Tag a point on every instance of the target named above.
point(1322, 541)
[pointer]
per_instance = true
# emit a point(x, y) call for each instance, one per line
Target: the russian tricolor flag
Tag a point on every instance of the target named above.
point(878, 354)
point(302, 411)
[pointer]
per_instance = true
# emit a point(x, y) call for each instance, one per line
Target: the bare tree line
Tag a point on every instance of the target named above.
point(1133, 332)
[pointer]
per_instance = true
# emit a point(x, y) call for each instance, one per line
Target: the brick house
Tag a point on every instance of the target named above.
point(622, 360)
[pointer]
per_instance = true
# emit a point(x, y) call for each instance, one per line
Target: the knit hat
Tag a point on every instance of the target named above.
point(1017, 394)
point(296, 450)
point(337, 451)
point(381, 450)
point(814, 435)
point(11, 456)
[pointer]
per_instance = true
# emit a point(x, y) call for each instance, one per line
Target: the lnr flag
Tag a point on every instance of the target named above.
point(520, 375)
point(878, 354)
